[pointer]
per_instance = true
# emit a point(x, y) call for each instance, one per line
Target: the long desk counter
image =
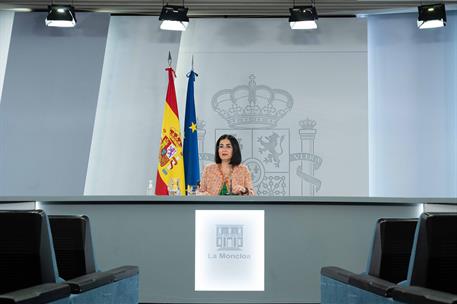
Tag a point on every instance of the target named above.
point(302, 234)
point(254, 200)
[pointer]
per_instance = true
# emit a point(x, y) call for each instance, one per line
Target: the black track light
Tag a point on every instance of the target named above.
point(431, 16)
point(303, 17)
point(61, 16)
point(174, 18)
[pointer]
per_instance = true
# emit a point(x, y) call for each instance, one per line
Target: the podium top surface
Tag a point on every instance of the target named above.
point(248, 200)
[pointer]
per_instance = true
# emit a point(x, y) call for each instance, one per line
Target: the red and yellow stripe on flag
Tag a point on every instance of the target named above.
point(171, 160)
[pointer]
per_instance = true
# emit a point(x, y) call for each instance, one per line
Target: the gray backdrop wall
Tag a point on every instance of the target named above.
point(46, 144)
point(6, 23)
point(306, 131)
point(321, 138)
point(413, 107)
point(48, 104)
point(125, 144)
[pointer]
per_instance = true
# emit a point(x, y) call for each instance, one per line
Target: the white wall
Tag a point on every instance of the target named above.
point(125, 143)
point(49, 99)
point(310, 67)
point(413, 101)
point(6, 25)
point(412, 116)
point(323, 72)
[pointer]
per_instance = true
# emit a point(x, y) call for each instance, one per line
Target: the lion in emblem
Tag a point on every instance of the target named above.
point(269, 145)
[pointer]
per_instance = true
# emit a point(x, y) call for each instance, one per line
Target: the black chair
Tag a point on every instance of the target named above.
point(390, 256)
point(387, 266)
point(28, 272)
point(432, 276)
point(76, 260)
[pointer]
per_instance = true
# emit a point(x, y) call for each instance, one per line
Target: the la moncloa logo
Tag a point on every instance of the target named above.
point(229, 237)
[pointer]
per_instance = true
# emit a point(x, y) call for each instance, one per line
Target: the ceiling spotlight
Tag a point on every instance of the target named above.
point(61, 16)
point(174, 18)
point(431, 16)
point(303, 17)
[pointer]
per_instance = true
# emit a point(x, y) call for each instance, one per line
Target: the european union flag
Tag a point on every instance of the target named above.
point(191, 165)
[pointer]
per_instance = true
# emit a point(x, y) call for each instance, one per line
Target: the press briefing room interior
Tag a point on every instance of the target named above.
point(226, 151)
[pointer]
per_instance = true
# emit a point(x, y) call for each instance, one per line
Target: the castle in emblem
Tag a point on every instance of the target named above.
point(169, 155)
point(252, 113)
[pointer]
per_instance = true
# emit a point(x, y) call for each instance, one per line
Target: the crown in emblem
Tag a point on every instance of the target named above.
point(201, 124)
point(252, 106)
point(307, 124)
point(175, 137)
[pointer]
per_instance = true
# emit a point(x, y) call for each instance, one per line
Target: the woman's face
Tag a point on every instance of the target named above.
point(225, 150)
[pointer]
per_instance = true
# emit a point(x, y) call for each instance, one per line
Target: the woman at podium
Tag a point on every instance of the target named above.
point(227, 176)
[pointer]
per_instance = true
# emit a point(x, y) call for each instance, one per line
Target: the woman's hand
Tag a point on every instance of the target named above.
point(238, 189)
point(202, 193)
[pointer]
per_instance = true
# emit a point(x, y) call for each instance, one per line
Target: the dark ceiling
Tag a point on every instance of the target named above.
point(220, 8)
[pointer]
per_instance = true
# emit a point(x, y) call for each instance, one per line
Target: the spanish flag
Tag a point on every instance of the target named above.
point(171, 160)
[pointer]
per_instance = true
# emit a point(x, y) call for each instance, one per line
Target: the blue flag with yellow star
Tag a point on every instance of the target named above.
point(191, 164)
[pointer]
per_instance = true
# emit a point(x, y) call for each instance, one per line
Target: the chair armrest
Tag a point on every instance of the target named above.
point(38, 294)
point(372, 284)
point(123, 272)
point(90, 281)
point(421, 295)
point(337, 273)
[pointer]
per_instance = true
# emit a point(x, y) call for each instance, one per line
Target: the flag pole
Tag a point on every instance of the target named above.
point(190, 147)
point(170, 168)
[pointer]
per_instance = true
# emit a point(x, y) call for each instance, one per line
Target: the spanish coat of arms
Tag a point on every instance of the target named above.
point(252, 112)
